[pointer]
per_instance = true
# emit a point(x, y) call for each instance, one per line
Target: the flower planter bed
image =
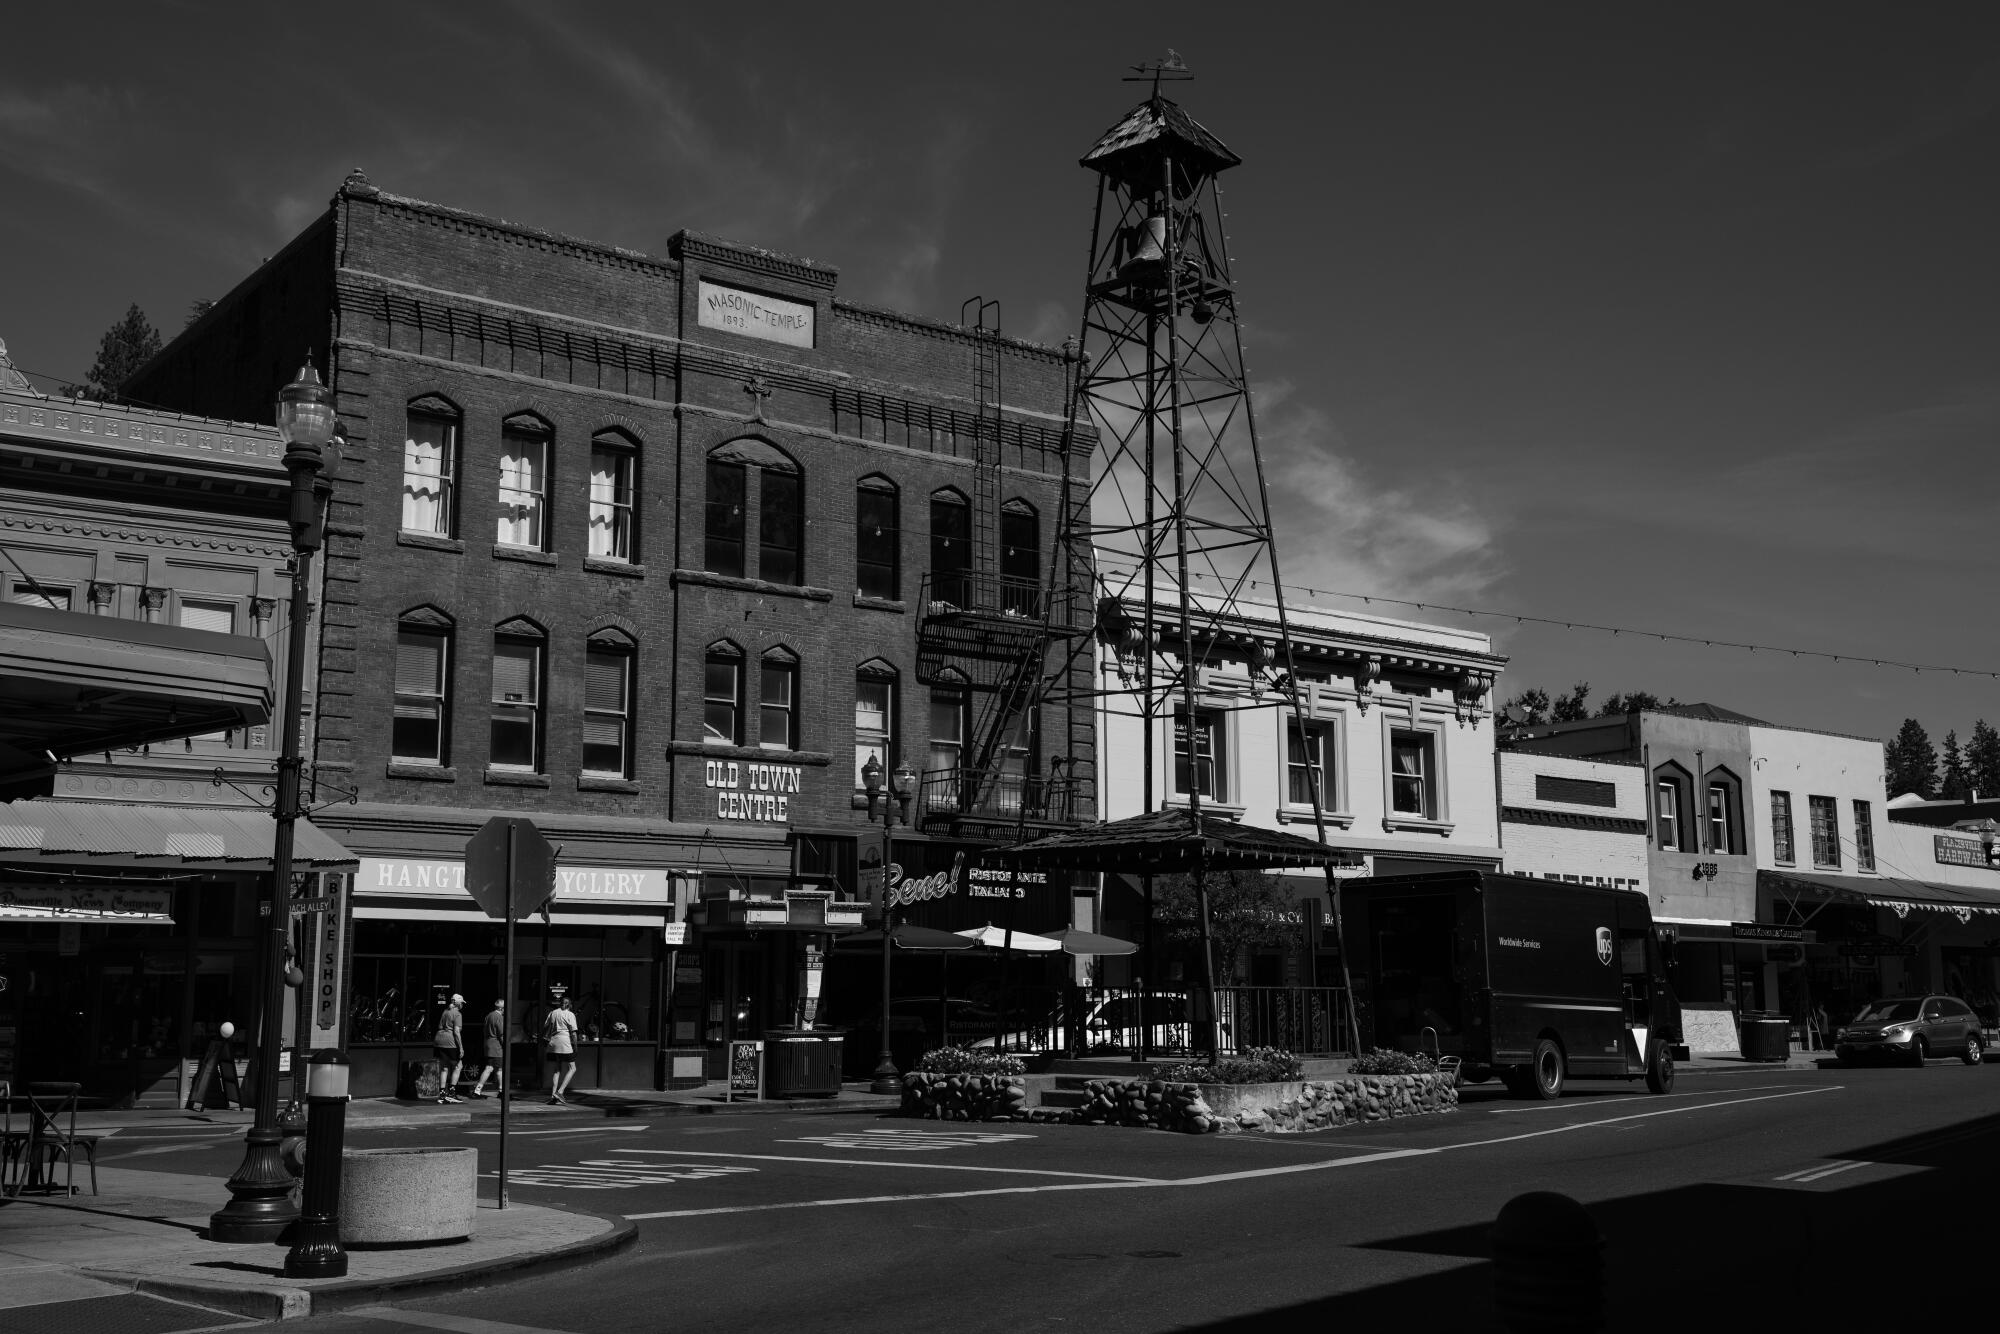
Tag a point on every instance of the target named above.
point(1288, 1107)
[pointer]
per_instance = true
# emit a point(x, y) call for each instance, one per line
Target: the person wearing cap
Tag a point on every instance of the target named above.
point(449, 1049)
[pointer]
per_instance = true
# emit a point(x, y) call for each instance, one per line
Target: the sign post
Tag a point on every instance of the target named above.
point(510, 870)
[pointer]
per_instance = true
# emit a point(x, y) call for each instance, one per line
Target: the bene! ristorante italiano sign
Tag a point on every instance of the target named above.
point(760, 793)
point(753, 314)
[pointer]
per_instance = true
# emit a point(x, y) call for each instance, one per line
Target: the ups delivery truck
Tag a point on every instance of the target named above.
point(1533, 980)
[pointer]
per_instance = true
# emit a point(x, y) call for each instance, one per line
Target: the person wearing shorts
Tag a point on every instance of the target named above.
point(448, 1045)
point(559, 1032)
point(496, 1046)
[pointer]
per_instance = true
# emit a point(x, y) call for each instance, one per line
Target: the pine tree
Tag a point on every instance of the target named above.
point(125, 347)
point(1910, 762)
point(1572, 705)
point(1982, 759)
point(1954, 783)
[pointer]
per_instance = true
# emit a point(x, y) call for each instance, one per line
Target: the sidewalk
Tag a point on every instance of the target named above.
point(144, 1234)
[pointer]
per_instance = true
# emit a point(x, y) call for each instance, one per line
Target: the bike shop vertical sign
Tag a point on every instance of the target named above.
point(510, 871)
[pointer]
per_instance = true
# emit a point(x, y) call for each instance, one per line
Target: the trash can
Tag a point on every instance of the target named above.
point(802, 1063)
point(1764, 1037)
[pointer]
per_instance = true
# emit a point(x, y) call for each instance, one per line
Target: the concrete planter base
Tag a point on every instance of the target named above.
point(1305, 1105)
point(407, 1197)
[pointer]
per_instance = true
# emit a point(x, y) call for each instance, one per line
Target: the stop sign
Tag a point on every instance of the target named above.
point(487, 879)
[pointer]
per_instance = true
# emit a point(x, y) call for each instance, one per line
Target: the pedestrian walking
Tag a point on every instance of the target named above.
point(448, 1046)
point(496, 1046)
point(559, 1032)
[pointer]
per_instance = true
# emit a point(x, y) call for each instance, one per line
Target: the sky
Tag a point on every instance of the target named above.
point(1679, 318)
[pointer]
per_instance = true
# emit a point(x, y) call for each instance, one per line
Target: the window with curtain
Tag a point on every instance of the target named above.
point(516, 728)
point(1782, 847)
point(1825, 817)
point(613, 483)
point(430, 463)
point(1721, 829)
point(419, 734)
point(1412, 770)
point(722, 696)
point(951, 548)
point(1864, 835)
point(874, 723)
point(878, 539)
point(778, 702)
point(1308, 751)
point(607, 708)
point(1020, 559)
point(524, 487)
point(1199, 755)
point(51, 596)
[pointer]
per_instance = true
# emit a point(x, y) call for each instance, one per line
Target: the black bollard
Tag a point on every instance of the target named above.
point(1548, 1265)
point(316, 1251)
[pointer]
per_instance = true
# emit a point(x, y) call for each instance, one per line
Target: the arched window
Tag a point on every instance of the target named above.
point(951, 548)
point(430, 467)
point(874, 718)
point(1673, 814)
point(748, 477)
point(610, 665)
point(1020, 559)
point(722, 695)
point(950, 727)
point(1723, 811)
point(878, 539)
point(614, 489)
point(421, 731)
point(526, 443)
point(778, 700)
point(515, 727)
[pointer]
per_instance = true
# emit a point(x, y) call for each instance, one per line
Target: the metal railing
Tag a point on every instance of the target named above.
point(999, 795)
point(1307, 1021)
point(983, 592)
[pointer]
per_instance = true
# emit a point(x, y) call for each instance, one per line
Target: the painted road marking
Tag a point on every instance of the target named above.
point(1291, 1169)
point(457, 1324)
point(614, 1174)
point(1805, 1174)
point(572, 1130)
point(875, 1162)
point(1636, 1097)
point(908, 1141)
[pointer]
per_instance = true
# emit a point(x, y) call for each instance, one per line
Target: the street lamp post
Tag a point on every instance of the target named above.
point(904, 787)
point(260, 1204)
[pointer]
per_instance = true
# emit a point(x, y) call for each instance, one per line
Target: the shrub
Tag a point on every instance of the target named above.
point(1258, 1065)
point(1382, 1061)
point(960, 1061)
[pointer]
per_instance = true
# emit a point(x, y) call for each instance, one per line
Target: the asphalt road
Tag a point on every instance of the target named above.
point(1837, 1198)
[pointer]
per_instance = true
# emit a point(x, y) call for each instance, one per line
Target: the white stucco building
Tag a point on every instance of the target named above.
point(1582, 821)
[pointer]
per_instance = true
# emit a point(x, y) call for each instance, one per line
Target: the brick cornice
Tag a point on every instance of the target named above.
point(1610, 824)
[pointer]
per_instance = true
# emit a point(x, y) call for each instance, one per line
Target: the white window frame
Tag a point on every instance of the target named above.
point(611, 535)
point(1222, 757)
point(524, 497)
point(440, 700)
point(529, 708)
point(1832, 843)
point(621, 717)
point(1438, 818)
point(1864, 834)
point(788, 667)
point(1334, 794)
point(714, 656)
point(182, 605)
point(418, 479)
point(35, 593)
point(1785, 852)
point(1722, 841)
point(880, 743)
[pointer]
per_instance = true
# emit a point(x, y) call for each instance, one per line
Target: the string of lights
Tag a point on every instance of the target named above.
point(1664, 636)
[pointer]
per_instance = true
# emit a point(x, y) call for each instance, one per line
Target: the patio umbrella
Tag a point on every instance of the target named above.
point(994, 937)
point(909, 936)
point(1075, 941)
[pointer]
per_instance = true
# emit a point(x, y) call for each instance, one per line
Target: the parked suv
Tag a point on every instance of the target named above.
point(1911, 1030)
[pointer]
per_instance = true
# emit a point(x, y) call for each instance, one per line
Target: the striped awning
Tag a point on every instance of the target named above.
point(1896, 894)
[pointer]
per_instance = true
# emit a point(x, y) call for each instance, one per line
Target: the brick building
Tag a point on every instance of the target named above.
point(1583, 821)
point(634, 545)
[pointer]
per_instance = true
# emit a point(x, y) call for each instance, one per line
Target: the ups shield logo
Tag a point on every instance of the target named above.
point(1604, 944)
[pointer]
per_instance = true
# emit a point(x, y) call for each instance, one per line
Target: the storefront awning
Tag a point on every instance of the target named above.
point(1168, 841)
point(1884, 892)
point(108, 835)
point(72, 683)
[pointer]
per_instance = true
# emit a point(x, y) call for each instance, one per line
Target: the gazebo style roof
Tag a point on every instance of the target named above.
point(1167, 842)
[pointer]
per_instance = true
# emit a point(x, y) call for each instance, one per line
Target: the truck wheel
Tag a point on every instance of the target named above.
point(1660, 1068)
point(1545, 1073)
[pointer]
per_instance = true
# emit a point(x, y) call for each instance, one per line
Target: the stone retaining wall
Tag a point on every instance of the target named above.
point(965, 1097)
point(1319, 1105)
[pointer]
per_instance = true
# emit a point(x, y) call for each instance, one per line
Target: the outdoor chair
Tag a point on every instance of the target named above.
point(52, 1138)
point(13, 1143)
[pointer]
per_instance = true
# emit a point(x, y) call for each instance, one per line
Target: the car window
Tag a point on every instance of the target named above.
point(1888, 1012)
point(1958, 1009)
point(1934, 1010)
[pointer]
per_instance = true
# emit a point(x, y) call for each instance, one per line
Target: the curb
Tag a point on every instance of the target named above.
point(649, 1111)
point(299, 1303)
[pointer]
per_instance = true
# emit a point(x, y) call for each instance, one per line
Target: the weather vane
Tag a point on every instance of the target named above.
point(1170, 67)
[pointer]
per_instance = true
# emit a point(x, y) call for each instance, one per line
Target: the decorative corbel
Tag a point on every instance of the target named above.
point(1466, 694)
point(1366, 673)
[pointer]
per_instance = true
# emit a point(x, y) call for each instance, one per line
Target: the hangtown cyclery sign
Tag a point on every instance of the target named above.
point(754, 792)
point(574, 884)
